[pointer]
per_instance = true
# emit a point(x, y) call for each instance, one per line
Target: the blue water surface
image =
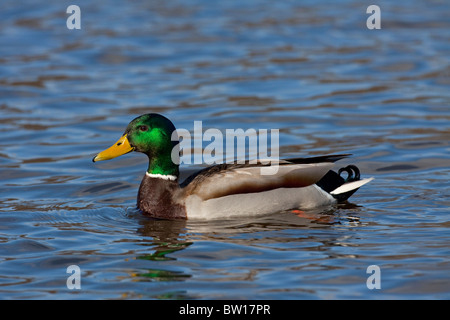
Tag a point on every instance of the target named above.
point(311, 69)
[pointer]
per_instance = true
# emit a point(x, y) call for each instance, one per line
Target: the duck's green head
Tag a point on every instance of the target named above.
point(150, 134)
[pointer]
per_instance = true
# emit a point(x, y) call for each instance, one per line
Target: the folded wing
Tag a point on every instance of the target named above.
point(227, 179)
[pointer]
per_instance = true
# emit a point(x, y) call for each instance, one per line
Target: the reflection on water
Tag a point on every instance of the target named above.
point(310, 69)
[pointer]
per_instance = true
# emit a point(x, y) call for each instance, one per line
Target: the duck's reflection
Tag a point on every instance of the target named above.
point(173, 235)
point(162, 238)
point(166, 237)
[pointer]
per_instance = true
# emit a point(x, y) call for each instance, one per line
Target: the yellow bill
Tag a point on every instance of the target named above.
point(121, 147)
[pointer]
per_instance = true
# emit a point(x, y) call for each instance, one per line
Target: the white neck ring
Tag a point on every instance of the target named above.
point(161, 176)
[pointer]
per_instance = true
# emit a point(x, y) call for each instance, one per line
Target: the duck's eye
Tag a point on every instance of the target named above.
point(143, 128)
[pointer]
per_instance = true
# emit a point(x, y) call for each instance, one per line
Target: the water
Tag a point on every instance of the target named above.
point(311, 69)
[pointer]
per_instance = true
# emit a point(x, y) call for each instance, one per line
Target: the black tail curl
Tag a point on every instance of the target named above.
point(333, 180)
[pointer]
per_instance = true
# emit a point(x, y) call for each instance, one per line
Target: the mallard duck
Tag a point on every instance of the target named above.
point(227, 190)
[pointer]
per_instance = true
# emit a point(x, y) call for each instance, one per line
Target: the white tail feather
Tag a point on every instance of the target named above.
point(350, 186)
